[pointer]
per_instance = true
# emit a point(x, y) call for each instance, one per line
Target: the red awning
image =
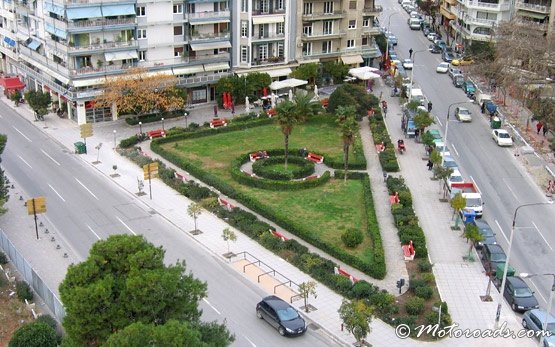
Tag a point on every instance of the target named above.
point(12, 83)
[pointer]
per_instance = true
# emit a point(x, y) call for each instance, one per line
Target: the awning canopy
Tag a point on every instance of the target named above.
point(210, 45)
point(310, 61)
point(89, 82)
point(114, 10)
point(55, 31)
point(186, 70)
point(54, 8)
point(289, 83)
point(268, 19)
point(216, 67)
point(530, 14)
point(122, 55)
point(33, 44)
point(9, 41)
point(84, 12)
point(351, 59)
point(279, 72)
point(12, 83)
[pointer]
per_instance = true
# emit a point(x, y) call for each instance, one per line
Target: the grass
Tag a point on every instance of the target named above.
point(280, 167)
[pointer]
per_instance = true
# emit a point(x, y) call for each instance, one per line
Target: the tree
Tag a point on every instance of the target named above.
point(442, 173)
point(356, 316)
point(458, 202)
point(228, 235)
point(307, 72)
point(138, 92)
point(287, 118)
point(4, 192)
point(473, 234)
point(351, 94)
point(348, 127)
point(305, 105)
point(39, 102)
point(15, 96)
point(306, 289)
point(435, 158)
point(422, 120)
point(34, 334)
point(337, 70)
point(194, 210)
point(124, 280)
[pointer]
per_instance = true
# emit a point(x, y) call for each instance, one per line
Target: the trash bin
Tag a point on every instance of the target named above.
point(80, 147)
point(495, 123)
point(468, 215)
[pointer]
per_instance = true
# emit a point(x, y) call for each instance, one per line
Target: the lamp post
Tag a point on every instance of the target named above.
point(115, 144)
point(387, 38)
point(141, 128)
point(186, 115)
point(550, 301)
point(447, 126)
point(412, 71)
point(163, 124)
point(506, 267)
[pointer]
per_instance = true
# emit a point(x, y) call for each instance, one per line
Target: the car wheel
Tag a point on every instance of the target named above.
point(259, 314)
point(524, 324)
point(281, 331)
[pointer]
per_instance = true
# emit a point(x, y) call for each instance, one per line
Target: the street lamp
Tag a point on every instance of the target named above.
point(387, 38)
point(115, 144)
point(186, 115)
point(447, 126)
point(163, 124)
point(412, 71)
point(506, 267)
point(141, 128)
point(550, 301)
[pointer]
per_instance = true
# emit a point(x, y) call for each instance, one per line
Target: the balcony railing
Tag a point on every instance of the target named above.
point(324, 15)
point(268, 61)
point(321, 35)
point(209, 36)
point(270, 36)
point(533, 7)
point(258, 12)
point(374, 9)
point(101, 22)
point(202, 80)
point(487, 22)
point(487, 5)
point(208, 15)
point(105, 45)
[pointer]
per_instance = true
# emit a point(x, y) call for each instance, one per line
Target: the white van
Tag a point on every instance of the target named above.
point(414, 23)
point(416, 94)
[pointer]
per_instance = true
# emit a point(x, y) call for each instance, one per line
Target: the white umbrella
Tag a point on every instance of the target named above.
point(290, 94)
point(273, 99)
point(288, 83)
point(316, 91)
point(247, 105)
point(366, 75)
point(362, 69)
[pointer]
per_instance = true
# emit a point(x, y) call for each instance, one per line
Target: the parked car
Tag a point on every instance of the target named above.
point(463, 61)
point(502, 137)
point(533, 320)
point(442, 67)
point(434, 133)
point(463, 114)
point(392, 39)
point(455, 176)
point(281, 316)
point(485, 230)
point(441, 148)
point(408, 64)
point(440, 43)
point(449, 162)
point(433, 36)
point(519, 295)
point(469, 87)
point(434, 49)
point(493, 255)
point(458, 81)
point(426, 30)
point(446, 56)
point(453, 71)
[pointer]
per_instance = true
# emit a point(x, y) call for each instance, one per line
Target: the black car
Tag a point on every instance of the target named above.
point(447, 57)
point(485, 230)
point(435, 49)
point(493, 255)
point(281, 316)
point(519, 295)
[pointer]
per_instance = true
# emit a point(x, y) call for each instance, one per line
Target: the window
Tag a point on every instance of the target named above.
point(280, 28)
point(486, 15)
point(178, 30)
point(142, 55)
point(244, 5)
point(328, 7)
point(244, 54)
point(352, 24)
point(307, 8)
point(280, 49)
point(264, 6)
point(307, 30)
point(280, 5)
point(350, 43)
point(352, 5)
point(365, 41)
point(326, 47)
point(244, 28)
point(141, 11)
point(327, 27)
point(262, 29)
point(178, 51)
point(178, 8)
point(307, 48)
point(141, 33)
point(366, 22)
point(263, 52)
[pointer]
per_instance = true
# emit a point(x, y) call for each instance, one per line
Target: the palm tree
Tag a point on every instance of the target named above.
point(349, 128)
point(287, 117)
point(306, 106)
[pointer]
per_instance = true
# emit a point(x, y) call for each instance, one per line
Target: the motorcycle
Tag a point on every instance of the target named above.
point(401, 146)
point(395, 92)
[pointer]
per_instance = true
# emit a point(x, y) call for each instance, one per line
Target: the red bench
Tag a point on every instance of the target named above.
point(408, 251)
point(156, 133)
point(339, 271)
point(258, 155)
point(272, 112)
point(180, 177)
point(325, 102)
point(226, 204)
point(279, 235)
point(318, 159)
point(310, 178)
point(394, 199)
point(216, 123)
point(380, 147)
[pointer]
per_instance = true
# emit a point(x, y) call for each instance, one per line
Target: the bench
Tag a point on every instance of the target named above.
point(380, 148)
point(216, 123)
point(408, 251)
point(156, 133)
point(339, 271)
point(371, 112)
point(325, 102)
point(258, 155)
point(272, 112)
point(279, 235)
point(394, 199)
point(180, 177)
point(311, 177)
point(226, 204)
point(318, 159)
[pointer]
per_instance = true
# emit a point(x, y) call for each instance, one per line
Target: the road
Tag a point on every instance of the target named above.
point(84, 206)
point(502, 180)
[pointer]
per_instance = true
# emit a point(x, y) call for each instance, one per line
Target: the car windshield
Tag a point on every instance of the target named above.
point(288, 313)
point(551, 327)
point(486, 232)
point(449, 163)
point(473, 202)
point(504, 135)
point(464, 111)
point(456, 179)
point(523, 292)
point(498, 257)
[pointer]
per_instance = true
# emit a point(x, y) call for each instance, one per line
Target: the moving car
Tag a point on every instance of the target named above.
point(519, 295)
point(442, 67)
point(408, 64)
point(493, 255)
point(281, 316)
point(487, 233)
point(502, 137)
point(446, 56)
point(463, 114)
point(392, 39)
point(463, 61)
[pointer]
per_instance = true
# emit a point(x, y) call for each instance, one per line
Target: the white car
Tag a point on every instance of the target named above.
point(455, 177)
point(463, 114)
point(407, 64)
point(442, 149)
point(442, 68)
point(432, 36)
point(502, 137)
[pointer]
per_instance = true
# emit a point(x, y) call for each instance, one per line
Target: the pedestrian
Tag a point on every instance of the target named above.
point(539, 127)
point(429, 106)
point(483, 107)
point(410, 53)
point(544, 130)
point(430, 165)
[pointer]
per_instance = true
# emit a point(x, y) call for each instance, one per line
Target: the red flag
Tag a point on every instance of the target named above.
point(265, 91)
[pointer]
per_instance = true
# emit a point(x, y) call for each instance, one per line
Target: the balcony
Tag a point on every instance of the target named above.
point(268, 37)
point(323, 36)
point(59, 24)
point(486, 5)
point(533, 7)
point(101, 22)
point(372, 10)
point(324, 15)
point(104, 70)
point(268, 61)
point(479, 21)
point(371, 30)
point(259, 12)
point(210, 36)
point(102, 46)
point(58, 48)
point(207, 59)
point(209, 17)
point(202, 80)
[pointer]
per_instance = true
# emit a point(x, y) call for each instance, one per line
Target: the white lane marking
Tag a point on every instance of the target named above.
point(475, 185)
point(127, 226)
point(539, 232)
point(88, 190)
point(64, 200)
point(502, 232)
point(439, 122)
point(16, 129)
point(46, 154)
point(209, 304)
point(516, 197)
point(92, 231)
point(537, 290)
point(455, 149)
point(252, 343)
point(23, 160)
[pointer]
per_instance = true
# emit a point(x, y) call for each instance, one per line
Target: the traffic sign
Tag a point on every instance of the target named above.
point(36, 205)
point(86, 130)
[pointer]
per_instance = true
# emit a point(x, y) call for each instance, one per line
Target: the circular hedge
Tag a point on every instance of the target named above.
point(299, 168)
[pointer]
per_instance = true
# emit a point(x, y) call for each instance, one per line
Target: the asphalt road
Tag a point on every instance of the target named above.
point(502, 180)
point(84, 206)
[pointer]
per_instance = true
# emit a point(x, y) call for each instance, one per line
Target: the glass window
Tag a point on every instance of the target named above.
point(307, 30)
point(142, 55)
point(141, 33)
point(307, 8)
point(352, 24)
point(326, 47)
point(244, 28)
point(178, 30)
point(280, 28)
point(178, 51)
point(366, 22)
point(328, 7)
point(244, 54)
point(263, 52)
point(350, 43)
point(327, 27)
point(280, 5)
point(178, 8)
point(199, 95)
point(352, 5)
point(264, 6)
point(141, 11)
point(281, 49)
point(365, 41)
point(307, 48)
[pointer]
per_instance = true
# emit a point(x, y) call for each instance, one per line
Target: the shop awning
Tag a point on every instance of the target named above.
point(216, 67)
point(9, 41)
point(33, 44)
point(279, 72)
point(84, 12)
point(186, 70)
point(268, 19)
point(89, 82)
point(54, 8)
point(122, 55)
point(118, 10)
point(12, 83)
point(210, 45)
point(351, 59)
point(530, 14)
point(55, 31)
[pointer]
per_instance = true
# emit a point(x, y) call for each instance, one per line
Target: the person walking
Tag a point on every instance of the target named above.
point(430, 165)
point(429, 106)
point(545, 130)
point(410, 53)
point(539, 127)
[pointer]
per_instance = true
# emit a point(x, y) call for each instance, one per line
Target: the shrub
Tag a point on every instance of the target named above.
point(3, 258)
point(424, 292)
point(414, 306)
point(23, 291)
point(415, 283)
point(352, 238)
point(424, 265)
point(409, 321)
point(48, 320)
point(261, 168)
point(129, 142)
point(428, 277)
point(363, 290)
point(384, 303)
point(34, 334)
point(342, 284)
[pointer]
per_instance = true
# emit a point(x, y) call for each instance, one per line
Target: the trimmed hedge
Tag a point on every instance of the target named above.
point(388, 160)
point(153, 117)
point(305, 168)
